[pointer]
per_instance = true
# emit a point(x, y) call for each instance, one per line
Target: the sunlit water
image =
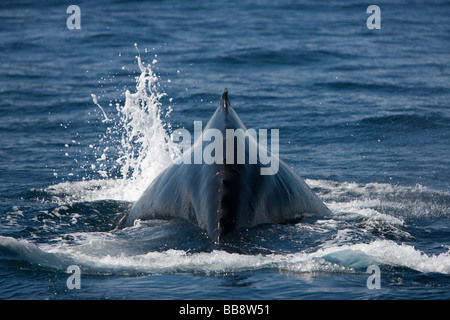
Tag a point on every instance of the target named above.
point(86, 123)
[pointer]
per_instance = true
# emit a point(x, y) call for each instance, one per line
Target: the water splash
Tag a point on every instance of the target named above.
point(103, 253)
point(94, 99)
point(145, 142)
point(134, 149)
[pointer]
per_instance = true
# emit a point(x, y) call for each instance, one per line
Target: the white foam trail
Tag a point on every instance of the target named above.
point(22, 250)
point(346, 258)
point(390, 253)
point(378, 200)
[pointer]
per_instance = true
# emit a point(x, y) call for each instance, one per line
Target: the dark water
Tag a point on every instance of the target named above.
point(363, 116)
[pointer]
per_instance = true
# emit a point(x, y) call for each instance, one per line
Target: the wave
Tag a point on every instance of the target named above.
point(380, 87)
point(393, 203)
point(281, 56)
point(408, 122)
point(330, 258)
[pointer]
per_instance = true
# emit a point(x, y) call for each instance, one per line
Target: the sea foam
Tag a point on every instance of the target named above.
point(343, 259)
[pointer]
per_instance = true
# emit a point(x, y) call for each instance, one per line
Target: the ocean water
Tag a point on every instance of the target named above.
point(86, 117)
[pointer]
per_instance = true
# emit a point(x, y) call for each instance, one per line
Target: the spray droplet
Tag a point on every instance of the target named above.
point(94, 98)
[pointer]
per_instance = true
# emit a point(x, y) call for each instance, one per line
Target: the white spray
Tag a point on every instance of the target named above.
point(144, 150)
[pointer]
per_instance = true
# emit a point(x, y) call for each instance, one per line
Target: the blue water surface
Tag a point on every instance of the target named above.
point(363, 116)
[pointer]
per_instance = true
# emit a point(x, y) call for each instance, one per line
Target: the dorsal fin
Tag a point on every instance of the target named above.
point(224, 102)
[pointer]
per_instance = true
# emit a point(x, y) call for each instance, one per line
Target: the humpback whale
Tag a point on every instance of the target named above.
point(225, 196)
